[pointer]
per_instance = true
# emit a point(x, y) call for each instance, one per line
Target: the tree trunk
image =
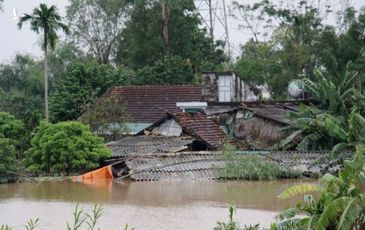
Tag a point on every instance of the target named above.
point(166, 8)
point(45, 76)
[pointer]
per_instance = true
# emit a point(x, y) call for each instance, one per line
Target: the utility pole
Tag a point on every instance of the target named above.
point(211, 28)
point(213, 14)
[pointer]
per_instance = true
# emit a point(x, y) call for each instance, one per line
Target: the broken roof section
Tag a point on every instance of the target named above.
point(146, 104)
point(145, 145)
point(275, 111)
point(182, 166)
point(201, 127)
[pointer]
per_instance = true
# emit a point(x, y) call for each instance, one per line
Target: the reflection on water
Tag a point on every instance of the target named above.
point(136, 203)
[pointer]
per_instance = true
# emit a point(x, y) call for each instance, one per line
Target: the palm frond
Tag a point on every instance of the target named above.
point(298, 190)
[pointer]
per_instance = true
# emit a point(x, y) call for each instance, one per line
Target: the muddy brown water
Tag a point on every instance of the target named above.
point(144, 205)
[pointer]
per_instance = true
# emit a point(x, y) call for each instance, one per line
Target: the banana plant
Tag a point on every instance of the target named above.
point(335, 121)
point(341, 202)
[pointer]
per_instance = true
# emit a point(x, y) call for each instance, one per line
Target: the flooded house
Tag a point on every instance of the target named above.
point(178, 131)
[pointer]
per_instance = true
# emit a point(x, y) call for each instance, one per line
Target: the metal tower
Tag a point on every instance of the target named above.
point(214, 16)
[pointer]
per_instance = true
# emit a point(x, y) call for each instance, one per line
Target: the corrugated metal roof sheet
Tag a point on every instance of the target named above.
point(304, 161)
point(144, 103)
point(183, 166)
point(205, 165)
point(148, 144)
point(168, 128)
point(273, 111)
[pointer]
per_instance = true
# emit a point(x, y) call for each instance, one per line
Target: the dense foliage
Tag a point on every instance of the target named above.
point(340, 204)
point(335, 120)
point(77, 86)
point(7, 159)
point(21, 86)
point(142, 40)
point(64, 148)
point(11, 144)
point(96, 26)
point(290, 41)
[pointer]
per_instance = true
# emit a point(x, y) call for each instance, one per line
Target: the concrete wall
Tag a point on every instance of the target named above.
point(210, 87)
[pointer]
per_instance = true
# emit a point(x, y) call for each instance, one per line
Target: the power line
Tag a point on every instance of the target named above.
point(213, 14)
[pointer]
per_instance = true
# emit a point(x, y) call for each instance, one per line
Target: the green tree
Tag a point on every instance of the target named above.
point(150, 35)
point(7, 159)
point(170, 70)
point(49, 21)
point(12, 129)
point(77, 86)
point(21, 86)
point(11, 144)
point(64, 148)
point(60, 58)
point(291, 40)
point(106, 115)
point(97, 26)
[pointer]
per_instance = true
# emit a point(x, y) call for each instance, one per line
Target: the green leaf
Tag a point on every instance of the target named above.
point(298, 190)
point(333, 211)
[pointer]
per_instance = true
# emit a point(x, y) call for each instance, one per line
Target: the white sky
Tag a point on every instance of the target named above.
point(13, 40)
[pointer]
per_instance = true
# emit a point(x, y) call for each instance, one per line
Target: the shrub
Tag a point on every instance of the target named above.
point(65, 147)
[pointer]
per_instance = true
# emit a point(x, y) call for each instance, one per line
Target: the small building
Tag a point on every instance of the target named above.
point(228, 87)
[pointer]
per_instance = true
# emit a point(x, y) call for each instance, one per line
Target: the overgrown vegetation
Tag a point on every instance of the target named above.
point(251, 167)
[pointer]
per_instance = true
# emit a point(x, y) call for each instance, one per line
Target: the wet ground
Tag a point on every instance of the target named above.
point(144, 205)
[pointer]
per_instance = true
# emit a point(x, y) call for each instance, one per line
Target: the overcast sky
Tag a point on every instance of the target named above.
point(13, 40)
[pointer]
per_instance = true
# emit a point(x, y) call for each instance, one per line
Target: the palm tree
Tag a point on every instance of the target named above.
point(49, 21)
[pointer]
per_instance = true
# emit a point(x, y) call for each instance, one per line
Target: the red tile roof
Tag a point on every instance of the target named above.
point(146, 104)
point(201, 127)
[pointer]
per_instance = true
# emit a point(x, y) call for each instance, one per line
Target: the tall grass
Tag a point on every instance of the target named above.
point(233, 225)
point(252, 167)
point(81, 220)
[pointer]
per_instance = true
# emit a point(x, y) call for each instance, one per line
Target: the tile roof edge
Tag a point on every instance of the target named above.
point(153, 86)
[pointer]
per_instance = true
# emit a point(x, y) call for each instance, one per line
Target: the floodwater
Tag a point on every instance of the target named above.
point(143, 205)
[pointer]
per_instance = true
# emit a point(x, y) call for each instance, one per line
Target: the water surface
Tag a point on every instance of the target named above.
point(144, 205)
